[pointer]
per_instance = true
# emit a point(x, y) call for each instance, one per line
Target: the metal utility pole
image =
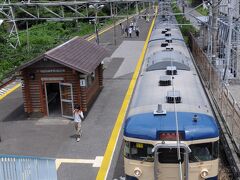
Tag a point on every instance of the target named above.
point(137, 10)
point(183, 6)
point(114, 25)
point(209, 47)
point(229, 46)
point(96, 28)
point(28, 46)
point(96, 7)
point(214, 30)
point(7, 11)
point(127, 14)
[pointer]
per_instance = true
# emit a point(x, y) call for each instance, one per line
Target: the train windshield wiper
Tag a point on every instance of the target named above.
point(146, 159)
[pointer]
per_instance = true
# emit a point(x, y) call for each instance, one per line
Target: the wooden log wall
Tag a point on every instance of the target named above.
point(34, 89)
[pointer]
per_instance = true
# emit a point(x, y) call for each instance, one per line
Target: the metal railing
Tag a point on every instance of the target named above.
point(229, 108)
point(27, 168)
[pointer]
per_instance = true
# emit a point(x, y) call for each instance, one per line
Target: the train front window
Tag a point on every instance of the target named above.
point(138, 151)
point(203, 152)
point(169, 155)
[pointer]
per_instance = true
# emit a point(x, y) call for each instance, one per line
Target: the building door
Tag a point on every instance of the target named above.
point(53, 99)
point(66, 98)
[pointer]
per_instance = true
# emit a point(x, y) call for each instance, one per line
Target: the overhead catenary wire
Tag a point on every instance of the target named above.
point(177, 131)
point(176, 119)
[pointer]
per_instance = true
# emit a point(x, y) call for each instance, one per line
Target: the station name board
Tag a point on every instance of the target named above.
point(52, 70)
point(52, 78)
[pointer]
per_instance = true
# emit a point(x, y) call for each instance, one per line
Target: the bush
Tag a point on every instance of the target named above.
point(42, 37)
point(185, 29)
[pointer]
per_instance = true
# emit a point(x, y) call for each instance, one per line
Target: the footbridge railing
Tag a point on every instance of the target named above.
point(27, 168)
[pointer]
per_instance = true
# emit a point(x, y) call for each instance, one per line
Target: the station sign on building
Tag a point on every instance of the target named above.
point(69, 74)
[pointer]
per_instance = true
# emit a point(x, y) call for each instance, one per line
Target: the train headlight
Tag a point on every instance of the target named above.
point(204, 173)
point(137, 172)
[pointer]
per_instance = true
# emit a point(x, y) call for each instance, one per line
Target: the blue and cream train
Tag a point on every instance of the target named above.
point(170, 132)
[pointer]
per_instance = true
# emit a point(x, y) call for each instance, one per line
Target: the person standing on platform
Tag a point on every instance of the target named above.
point(122, 29)
point(134, 25)
point(126, 31)
point(137, 31)
point(148, 18)
point(131, 25)
point(130, 32)
point(78, 117)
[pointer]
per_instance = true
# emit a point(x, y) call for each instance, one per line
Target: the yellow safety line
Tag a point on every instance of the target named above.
point(102, 173)
point(10, 91)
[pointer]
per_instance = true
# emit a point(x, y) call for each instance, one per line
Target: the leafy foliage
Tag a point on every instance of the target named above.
point(185, 29)
point(42, 37)
point(202, 11)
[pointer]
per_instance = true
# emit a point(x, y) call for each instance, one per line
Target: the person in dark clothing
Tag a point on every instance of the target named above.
point(137, 31)
point(126, 31)
point(122, 29)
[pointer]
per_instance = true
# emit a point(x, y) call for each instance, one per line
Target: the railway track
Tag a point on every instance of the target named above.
point(224, 168)
point(8, 87)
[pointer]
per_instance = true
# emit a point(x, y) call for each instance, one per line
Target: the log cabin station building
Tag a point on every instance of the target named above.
point(71, 73)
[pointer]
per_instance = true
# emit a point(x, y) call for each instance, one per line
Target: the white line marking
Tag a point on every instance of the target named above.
point(96, 162)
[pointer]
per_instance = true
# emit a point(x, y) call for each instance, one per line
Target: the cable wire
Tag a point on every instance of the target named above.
point(176, 120)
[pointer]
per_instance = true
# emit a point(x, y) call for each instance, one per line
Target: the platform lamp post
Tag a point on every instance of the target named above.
point(96, 8)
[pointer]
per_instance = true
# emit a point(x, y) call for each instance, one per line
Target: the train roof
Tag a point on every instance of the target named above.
point(148, 126)
point(148, 93)
point(168, 73)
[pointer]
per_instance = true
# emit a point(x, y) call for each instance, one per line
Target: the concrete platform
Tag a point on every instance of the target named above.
point(54, 137)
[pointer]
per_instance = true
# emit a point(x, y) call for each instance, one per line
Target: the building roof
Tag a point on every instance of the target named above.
point(136, 126)
point(77, 53)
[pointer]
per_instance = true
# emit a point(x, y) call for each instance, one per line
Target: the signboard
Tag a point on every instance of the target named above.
point(52, 70)
point(52, 78)
point(82, 82)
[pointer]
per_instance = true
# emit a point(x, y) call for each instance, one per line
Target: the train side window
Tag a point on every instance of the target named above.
point(203, 152)
point(138, 151)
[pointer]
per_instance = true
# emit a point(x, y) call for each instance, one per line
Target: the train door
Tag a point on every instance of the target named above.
point(166, 161)
point(66, 97)
point(168, 166)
